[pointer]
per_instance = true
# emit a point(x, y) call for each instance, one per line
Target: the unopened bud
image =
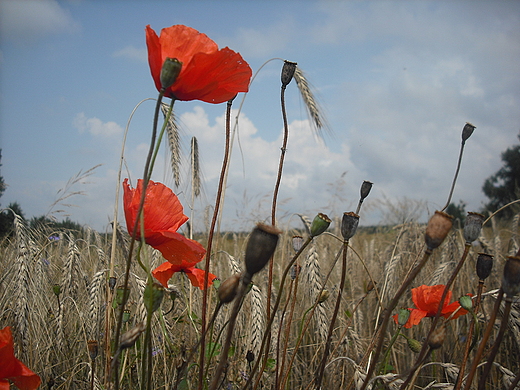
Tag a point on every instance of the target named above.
point(288, 70)
point(169, 72)
point(320, 223)
point(437, 229)
point(484, 265)
point(511, 277)
point(466, 302)
point(324, 295)
point(153, 296)
point(437, 338)
point(228, 288)
point(467, 131)
point(129, 338)
point(297, 243)
point(56, 289)
point(349, 225)
point(92, 346)
point(260, 247)
point(414, 345)
point(473, 226)
point(365, 189)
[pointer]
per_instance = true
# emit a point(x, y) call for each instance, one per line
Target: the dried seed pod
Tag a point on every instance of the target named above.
point(93, 350)
point(484, 265)
point(349, 225)
point(467, 131)
point(288, 70)
point(297, 243)
point(153, 296)
point(260, 247)
point(437, 338)
point(511, 277)
point(228, 289)
point(169, 72)
point(365, 189)
point(129, 338)
point(370, 286)
point(250, 356)
point(473, 226)
point(437, 229)
point(324, 295)
point(112, 283)
point(320, 223)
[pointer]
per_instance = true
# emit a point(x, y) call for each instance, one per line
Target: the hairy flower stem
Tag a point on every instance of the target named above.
point(210, 243)
point(425, 346)
point(146, 177)
point(388, 312)
point(491, 355)
point(469, 337)
point(483, 342)
point(272, 317)
point(321, 369)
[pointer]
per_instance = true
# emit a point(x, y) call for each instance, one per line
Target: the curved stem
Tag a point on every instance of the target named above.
point(456, 175)
point(210, 243)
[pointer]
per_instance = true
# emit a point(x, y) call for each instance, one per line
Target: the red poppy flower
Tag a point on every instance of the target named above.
point(207, 74)
point(165, 271)
point(163, 216)
point(12, 369)
point(426, 300)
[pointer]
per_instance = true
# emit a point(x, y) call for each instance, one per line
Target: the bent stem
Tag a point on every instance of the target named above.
point(456, 175)
point(210, 242)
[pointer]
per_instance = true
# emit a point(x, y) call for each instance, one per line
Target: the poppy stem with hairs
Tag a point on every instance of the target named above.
point(146, 178)
point(210, 242)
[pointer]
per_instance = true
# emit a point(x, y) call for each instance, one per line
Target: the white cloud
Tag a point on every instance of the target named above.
point(133, 53)
point(96, 127)
point(28, 21)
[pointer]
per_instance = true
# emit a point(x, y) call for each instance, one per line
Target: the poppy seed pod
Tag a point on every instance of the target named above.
point(437, 338)
point(297, 243)
point(467, 131)
point(473, 226)
point(437, 229)
point(228, 289)
point(112, 283)
point(365, 189)
point(414, 345)
point(93, 349)
point(288, 70)
point(349, 225)
point(320, 223)
point(511, 276)
point(129, 338)
point(56, 289)
point(466, 302)
point(260, 247)
point(169, 71)
point(153, 296)
point(484, 265)
point(402, 316)
point(126, 316)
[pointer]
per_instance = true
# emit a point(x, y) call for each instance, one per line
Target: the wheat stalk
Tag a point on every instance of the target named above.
point(317, 120)
point(174, 143)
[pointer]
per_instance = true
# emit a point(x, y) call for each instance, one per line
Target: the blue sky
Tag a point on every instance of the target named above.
point(396, 81)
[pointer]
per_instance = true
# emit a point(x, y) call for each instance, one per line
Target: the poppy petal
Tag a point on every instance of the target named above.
point(450, 309)
point(178, 249)
point(196, 277)
point(164, 272)
point(415, 318)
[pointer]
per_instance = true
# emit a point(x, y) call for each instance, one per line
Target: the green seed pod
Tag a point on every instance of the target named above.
point(169, 72)
point(153, 296)
point(466, 302)
point(56, 289)
point(126, 316)
point(320, 223)
point(402, 316)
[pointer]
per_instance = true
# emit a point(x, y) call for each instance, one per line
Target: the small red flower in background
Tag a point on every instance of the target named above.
point(426, 300)
point(165, 271)
point(207, 74)
point(12, 369)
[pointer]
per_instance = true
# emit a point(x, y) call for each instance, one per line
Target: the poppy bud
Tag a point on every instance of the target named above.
point(402, 316)
point(511, 276)
point(467, 131)
point(466, 302)
point(297, 243)
point(484, 265)
point(228, 289)
point(153, 296)
point(126, 316)
point(288, 72)
point(112, 283)
point(414, 345)
point(437, 338)
point(437, 229)
point(349, 225)
point(56, 289)
point(473, 226)
point(119, 295)
point(93, 350)
point(320, 223)
point(129, 338)
point(324, 295)
point(260, 247)
point(365, 189)
point(169, 72)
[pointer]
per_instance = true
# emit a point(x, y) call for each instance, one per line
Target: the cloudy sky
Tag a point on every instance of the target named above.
point(396, 80)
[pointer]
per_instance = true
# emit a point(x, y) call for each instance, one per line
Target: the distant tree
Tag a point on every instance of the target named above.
point(45, 223)
point(458, 212)
point(7, 218)
point(504, 186)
